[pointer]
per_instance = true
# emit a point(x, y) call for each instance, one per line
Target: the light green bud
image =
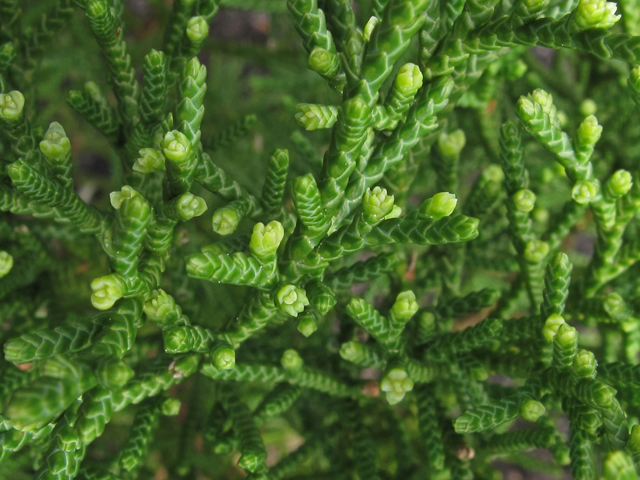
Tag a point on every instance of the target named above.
point(197, 29)
point(494, 173)
point(618, 184)
point(176, 147)
point(11, 106)
point(323, 62)
point(589, 131)
point(377, 204)
point(450, 145)
point(6, 263)
point(535, 251)
point(518, 68)
point(176, 339)
point(223, 356)
point(524, 200)
point(170, 407)
point(440, 205)
point(292, 299)
point(291, 360)
point(395, 212)
point(225, 221)
point(540, 215)
point(588, 107)
point(117, 198)
point(370, 27)
point(595, 14)
point(584, 364)
point(551, 326)
point(150, 160)
point(545, 100)
point(112, 373)
point(265, 240)
point(107, 290)
point(190, 206)
point(566, 336)
point(526, 109)
point(307, 324)
point(396, 383)
point(409, 80)
point(55, 146)
point(614, 305)
point(619, 466)
point(351, 351)
point(532, 410)
point(583, 192)
point(159, 305)
point(563, 119)
point(405, 306)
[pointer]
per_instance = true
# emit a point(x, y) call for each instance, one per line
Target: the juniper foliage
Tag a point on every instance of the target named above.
point(486, 200)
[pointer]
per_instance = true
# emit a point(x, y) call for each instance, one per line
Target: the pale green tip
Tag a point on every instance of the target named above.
point(170, 407)
point(176, 146)
point(589, 131)
point(450, 145)
point(291, 360)
point(409, 79)
point(223, 357)
point(197, 29)
point(633, 444)
point(324, 62)
point(584, 364)
point(619, 466)
point(107, 290)
point(439, 206)
point(351, 351)
point(595, 14)
point(292, 299)
point(190, 206)
point(6, 263)
point(265, 240)
point(377, 204)
point(551, 326)
point(566, 336)
point(395, 384)
point(150, 161)
point(159, 305)
point(225, 221)
point(524, 200)
point(494, 173)
point(405, 306)
point(395, 212)
point(307, 325)
point(619, 184)
point(11, 106)
point(56, 145)
point(614, 305)
point(535, 251)
point(532, 410)
point(370, 27)
point(113, 373)
point(588, 107)
point(584, 192)
point(117, 198)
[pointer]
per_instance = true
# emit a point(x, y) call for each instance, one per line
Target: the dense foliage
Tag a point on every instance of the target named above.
point(442, 274)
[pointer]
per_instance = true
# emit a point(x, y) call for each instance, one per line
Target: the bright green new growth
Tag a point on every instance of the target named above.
point(292, 299)
point(437, 220)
